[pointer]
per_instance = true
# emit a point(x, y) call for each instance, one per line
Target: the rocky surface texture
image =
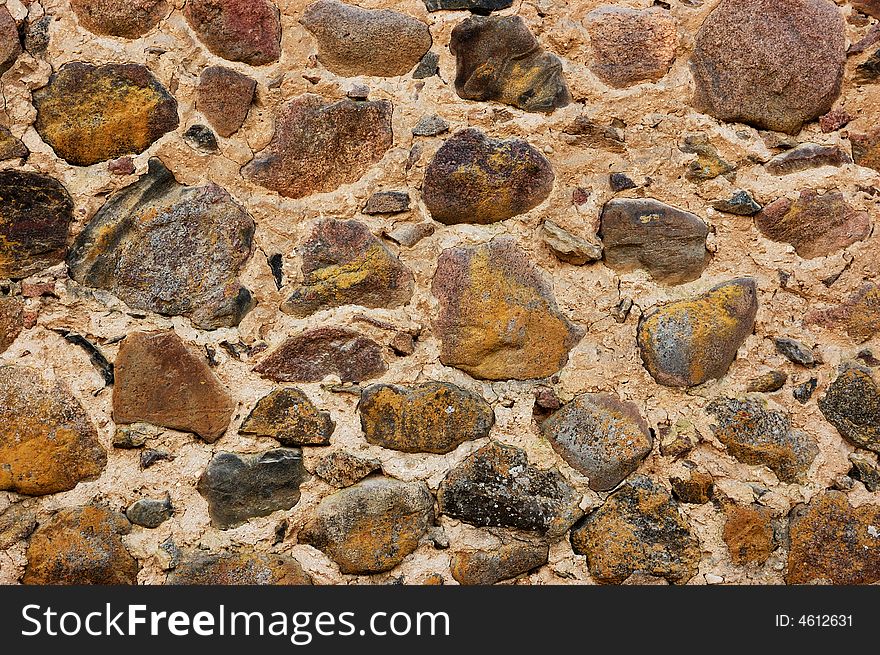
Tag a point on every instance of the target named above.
point(439, 292)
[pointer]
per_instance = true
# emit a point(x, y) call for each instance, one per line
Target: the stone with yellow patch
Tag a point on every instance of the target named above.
point(858, 315)
point(486, 567)
point(290, 417)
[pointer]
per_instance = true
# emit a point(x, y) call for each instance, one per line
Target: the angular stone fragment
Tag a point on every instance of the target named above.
point(868, 71)
point(429, 66)
point(430, 125)
point(128, 19)
point(354, 41)
point(688, 342)
point(81, 546)
point(344, 264)
point(834, 120)
point(599, 436)
point(709, 164)
point(164, 247)
point(409, 234)
point(434, 417)
point(244, 568)
point(10, 146)
point(290, 417)
point(865, 470)
point(11, 320)
point(161, 380)
point(805, 157)
point(679, 439)
point(475, 179)
point(645, 233)
point(481, 7)
point(150, 513)
point(795, 351)
point(498, 58)
point(620, 182)
point(696, 489)
point(569, 248)
point(47, 440)
point(740, 203)
point(631, 46)
point(748, 533)
point(238, 30)
point(372, 526)
point(866, 148)
point(224, 98)
point(486, 567)
point(816, 225)
point(387, 202)
point(858, 315)
point(852, 405)
point(639, 528)
point(833, 541)
point(342, 469)
point(498, 317)
point(497, 487)
point(317, 146)
point(587, 133)
point(315, 354)
point(89, 114)
point(757, 435)
point(10, 41)
point(17, 522)
point(774, 64)
point(240, 487)
point(201, 139)
point(35, 215)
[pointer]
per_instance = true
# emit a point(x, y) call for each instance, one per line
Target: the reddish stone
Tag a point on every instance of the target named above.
point(10, 42)
point(834, 120)
point(858, 315)
point(121, 166)
point(128, 19)
point(225, 97)
point(11, 320)
point(866, 148)
point(238, 30)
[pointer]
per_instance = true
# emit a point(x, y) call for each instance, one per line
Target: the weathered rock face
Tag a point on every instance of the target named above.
point(639, 528)
point(497, 487)
point(870, 7)
point(486, 567)
point(47, 441)
point(11, 147)
point(474, 6)
point(805, 157)
point(342, 469)
point(318, 146)
point(290, 417)
point(858, 315)
point(852, 405)
point(127, 19)
point(89, 114)
point(372, 526)
point(498, 58)
point(601, 437)
point(225, 97)
point(587, 132)
point(315, 354)
point(10, 42)
point(774, 64)
point(238, 30)
point(167, 248)
point(35, 215)
point(17, 522)
point(344, 264)
point(833, 541)
point(748, 533)
point(696, 489)
point(475, 179)
point(245, 568)
point(160, 380)
point(81, 546)
point(435, 417)
point(757, 435)
point(689, 342)
point(866, 148)
point(11, 318)
point(667, 242)
point(240, 487)
point(569, 248)
point(816, 225)
point(354, 41)
point(498, 317)
point(631, 46)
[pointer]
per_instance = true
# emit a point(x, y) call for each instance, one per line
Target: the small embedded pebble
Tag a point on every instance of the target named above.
point(201, 139)
point(621, 182)
point(430, 125)
point(149, 513)
point(795, 351)
point(803, 392)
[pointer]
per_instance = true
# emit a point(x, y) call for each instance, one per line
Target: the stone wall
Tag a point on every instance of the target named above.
point(554, 292)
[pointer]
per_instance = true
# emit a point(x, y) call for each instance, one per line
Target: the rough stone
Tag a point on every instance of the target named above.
point(475, 179)
point(688, 342)
point(11, 320)
point(387, 202)
point(429, 66)
point(639, 528)
point(497, 487)
point(162, 381)
point(852, 405)
point(238, 30)
point(89, 114)
point(318, 146)
point(121, 166)
point(409, 234)
point(869, 7)
point(474, 6)
point(815, 225)
point(833, 541)
point(10, 42)
point(631, 46)
point(127, 19)
point(81, 546)
point(498, 317)
point(498, 58)
point(567, 247)
point(748, 533)
point(35, 215)
point(134, 435)
point(620, 182)
point(372, 526)
point(342, 469)
point(768, 382)
point(344, 264)
point(795, 351)
point(224, 98)
point(740, 203)
point(866, 148)
point(709, 164)
point(150, 513)
point(430, 125)
point(315, 354)
point(865, 470)
point(757, 435)
point(645, 233)
point(354, 41)
point(240, 487)
point(774, 64)
point(486, 567)
point(150, 457)
point(805, 157)
point(858, 315)
point(834, 120)
point(289, 416)
point(678, 439)
point(238, 568)
point(696, 489)
point(201, 139)
point(433, 417)
point(17, 522)
point(804, 391)
point(587, 133)
point(600, 436)
point(47, 440)
point(10, 146)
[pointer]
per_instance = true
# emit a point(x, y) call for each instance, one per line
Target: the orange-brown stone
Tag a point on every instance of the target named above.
point(243, 568)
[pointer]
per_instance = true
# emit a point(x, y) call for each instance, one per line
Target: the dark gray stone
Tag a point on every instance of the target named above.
point(150, 513)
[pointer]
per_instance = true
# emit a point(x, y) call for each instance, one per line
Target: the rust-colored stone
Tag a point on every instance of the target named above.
point(695, 489)
point(238, 568)
point(225, 97)
point(748, 533)
point(238, 30)
point(486, 567)
point(290, 417)
point(11, 320)
point(10, 146)
point(866, 148)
